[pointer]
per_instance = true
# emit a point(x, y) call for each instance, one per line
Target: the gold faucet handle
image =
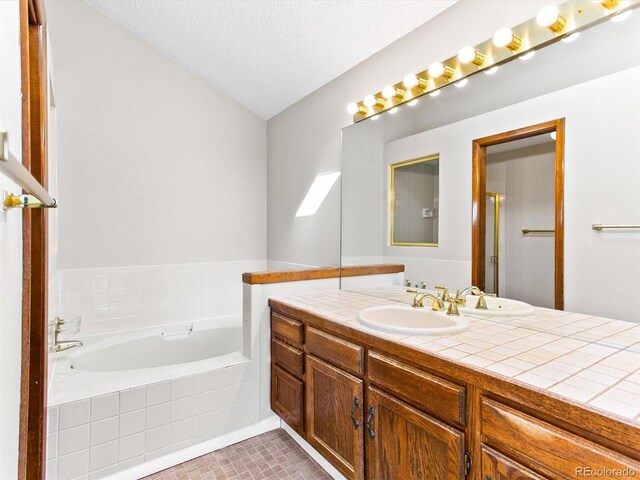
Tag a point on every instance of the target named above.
point(445, 294)
point(458, 300)
point(453, 309)
point(482, 303)
point(411, 290)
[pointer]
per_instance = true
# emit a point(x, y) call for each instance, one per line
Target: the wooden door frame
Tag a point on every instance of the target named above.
point(479, 188)
point(33, 383)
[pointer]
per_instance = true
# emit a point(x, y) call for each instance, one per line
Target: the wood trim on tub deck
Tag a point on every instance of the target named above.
point(259, 278)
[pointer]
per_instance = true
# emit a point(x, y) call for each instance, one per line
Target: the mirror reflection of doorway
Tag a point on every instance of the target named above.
point(517, 214)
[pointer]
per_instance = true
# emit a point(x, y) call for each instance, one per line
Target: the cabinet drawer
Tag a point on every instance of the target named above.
point(287, 357)
point(287, 329)
point(287, 398)
point(442, 399)
point(345, 355)
point(553, 451)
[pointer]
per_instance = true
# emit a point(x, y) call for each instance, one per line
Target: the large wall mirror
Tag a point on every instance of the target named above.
point(529, 159)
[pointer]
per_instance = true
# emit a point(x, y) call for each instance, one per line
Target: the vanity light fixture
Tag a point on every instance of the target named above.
point(609, 4)
point(564, 21)
point(354, 108)
point(460, 83)
point(437, 70)
point(372, 102)
point(471, 55)
point(317, 193)
point(413, 81)
point(550, 18)
point(527, 56)
point(507, 39)
point(571, 38)
point(620, 17)
point(390, 91)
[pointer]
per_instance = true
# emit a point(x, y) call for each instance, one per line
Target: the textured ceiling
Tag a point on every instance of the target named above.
point(268, 54)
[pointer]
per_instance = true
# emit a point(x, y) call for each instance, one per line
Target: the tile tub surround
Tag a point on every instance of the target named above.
point(126, 298)
point(106, 434)
point(589, 361)
point(272, 455)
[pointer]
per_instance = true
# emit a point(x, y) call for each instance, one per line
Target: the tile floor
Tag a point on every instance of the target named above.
point(272, 455)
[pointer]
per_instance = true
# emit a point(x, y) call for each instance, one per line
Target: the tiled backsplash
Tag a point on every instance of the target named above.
point(125, 298)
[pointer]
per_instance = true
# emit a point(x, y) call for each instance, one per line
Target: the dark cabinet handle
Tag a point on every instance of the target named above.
point(368, 422)
point(354, 406)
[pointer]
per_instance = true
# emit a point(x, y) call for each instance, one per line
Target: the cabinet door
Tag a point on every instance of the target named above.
point(498, 467)
point(334, 416)
point(404, 443)
point(287, 398)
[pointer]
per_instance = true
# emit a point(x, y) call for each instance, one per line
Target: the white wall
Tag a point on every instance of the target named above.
point(155, 166)
point(304, 140)
point(10, 245)
point(525, 178)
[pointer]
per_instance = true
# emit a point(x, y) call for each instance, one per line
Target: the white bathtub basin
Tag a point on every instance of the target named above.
point(497, 307)
point(412, 321)
point(158, 350)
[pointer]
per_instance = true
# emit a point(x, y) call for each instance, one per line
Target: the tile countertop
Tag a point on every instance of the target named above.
point(590, 360)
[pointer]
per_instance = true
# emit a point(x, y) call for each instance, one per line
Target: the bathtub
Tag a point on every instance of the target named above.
point(123, 400)
point(160, 349)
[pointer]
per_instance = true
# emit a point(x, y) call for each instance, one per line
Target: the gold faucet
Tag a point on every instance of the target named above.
point(61, 345)
point(445, 294)
point(418, 301)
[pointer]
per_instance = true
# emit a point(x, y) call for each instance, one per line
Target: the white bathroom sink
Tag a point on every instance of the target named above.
point(497, 307)
point(412, 321)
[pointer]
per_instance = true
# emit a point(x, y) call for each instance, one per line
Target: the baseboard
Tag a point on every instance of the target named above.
point(172, 459)
point(312, 452)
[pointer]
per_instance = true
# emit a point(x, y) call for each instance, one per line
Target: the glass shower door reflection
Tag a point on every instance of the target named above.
point(492, 244)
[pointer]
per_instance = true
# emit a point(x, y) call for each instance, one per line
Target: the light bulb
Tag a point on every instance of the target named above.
point(434, 94)
point(571, 38)
point(390, 91)
point(528, 55)
point(437, 70)
point(507, 39)
point(413, 102)
point(461, 83)
point(550, 18)
point(621, 16)
point(553, 135)
point(470, 55)
point(410, 80)
point(492, 70)
point(370, 101)
point(354, 108)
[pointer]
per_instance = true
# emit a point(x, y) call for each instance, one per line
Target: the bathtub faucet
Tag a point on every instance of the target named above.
point(61, 345)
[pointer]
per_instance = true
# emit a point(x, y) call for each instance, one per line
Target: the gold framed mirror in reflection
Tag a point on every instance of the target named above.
point(413, 201)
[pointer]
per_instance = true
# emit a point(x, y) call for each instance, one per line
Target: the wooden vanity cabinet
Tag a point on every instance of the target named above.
point(405, 443)
point(382, 411)
point(334, 416)
point(498, 467)
point(287, 371)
